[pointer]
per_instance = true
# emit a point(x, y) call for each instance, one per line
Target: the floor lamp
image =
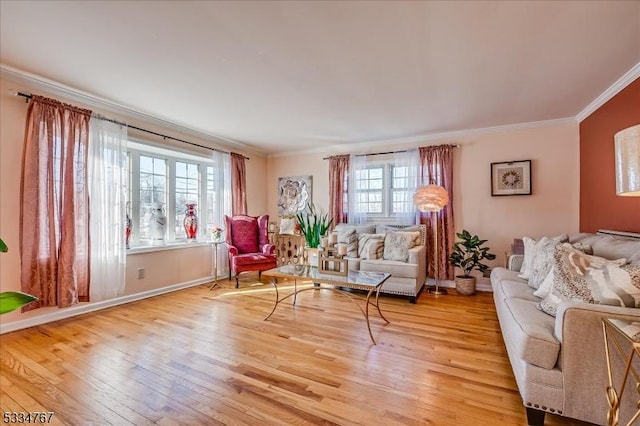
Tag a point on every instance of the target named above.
point(432, 198)
point(627, 150)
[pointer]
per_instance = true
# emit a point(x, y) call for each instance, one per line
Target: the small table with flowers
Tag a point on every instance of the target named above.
point(214, 263)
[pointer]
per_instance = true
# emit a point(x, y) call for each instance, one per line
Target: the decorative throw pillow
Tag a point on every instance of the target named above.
point(531, 247)
point(591, 279)
point(547, 284)
point(287, 225)
point(370, 246)
point(397, 245)
point(529, 254)
point(350, 238)
point(542, 261)
point(244, 234)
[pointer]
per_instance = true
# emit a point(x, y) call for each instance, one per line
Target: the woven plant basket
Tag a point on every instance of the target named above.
point(466, 285)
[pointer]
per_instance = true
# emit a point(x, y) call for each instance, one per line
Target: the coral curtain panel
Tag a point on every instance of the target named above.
point(437, 168)
point(54, 219)
point(238, 185)
point(338, 170)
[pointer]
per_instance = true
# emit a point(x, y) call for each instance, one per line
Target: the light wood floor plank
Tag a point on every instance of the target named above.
point(207, 357)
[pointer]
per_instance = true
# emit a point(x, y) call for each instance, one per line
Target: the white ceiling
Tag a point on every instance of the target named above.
point(282, 76)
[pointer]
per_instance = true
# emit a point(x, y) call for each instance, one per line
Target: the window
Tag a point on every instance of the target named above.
point(187, 191)
point(401, 191)
point(384, 191)
point(370, 190)
point(153, 191)
point(169, 179)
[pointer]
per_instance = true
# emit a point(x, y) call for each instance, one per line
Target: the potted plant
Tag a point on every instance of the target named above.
point(468, 254)
point(11, 300)
point(313, 226)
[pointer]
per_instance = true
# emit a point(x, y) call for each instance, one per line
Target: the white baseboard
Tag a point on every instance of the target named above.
point(482, 284)
point(83, 308)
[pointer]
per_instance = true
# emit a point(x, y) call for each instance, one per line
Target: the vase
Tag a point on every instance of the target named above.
point(190, 222)
point(127, 231)
point(312, 256)
point(158, 223)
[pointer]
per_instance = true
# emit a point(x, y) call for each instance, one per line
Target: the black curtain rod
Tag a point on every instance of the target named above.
point(27, 96)
point(387, 152)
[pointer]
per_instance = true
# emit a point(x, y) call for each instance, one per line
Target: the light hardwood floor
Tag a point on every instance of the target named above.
point(200, 357)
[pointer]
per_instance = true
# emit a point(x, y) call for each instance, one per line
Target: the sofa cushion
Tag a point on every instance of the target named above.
point(360, 229)
point(530, 332)
point(516, 289)
point(395, 268)
point(609, 246)
point(591, 279)
point(370, 246)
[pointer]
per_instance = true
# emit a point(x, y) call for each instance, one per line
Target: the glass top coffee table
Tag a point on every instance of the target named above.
point(360, 280)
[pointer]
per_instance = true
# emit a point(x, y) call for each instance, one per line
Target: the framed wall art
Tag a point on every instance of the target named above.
point(511, 178)
point(294, 193)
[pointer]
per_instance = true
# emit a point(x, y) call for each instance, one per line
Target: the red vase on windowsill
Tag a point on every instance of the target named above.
point(191, 222)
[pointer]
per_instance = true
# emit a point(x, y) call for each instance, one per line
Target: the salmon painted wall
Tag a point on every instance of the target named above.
point(551, 210)
point(162, 268)
point(600, 207)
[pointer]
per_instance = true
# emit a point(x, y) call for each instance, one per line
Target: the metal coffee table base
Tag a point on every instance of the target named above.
point(316, 286)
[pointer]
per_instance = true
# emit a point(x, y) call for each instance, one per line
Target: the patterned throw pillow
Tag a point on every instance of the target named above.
point(547, 284)
point(350, 238)
point(244, 234)
point(531, 247)
point(591, 279)
point(542, 261)
point(397, 245)
point(370, 246)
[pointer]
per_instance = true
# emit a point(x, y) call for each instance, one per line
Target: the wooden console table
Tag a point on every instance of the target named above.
point(289, 248)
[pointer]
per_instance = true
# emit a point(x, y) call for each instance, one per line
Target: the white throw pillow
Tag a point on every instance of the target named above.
point(529, 254)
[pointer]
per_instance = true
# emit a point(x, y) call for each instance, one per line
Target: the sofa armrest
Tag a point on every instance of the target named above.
point(417, 254)
point(268, 249)
point(233, 250)
point(583, 360)
point(566, 310)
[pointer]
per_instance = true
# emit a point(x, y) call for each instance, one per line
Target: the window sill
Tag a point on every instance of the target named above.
point(167, 246)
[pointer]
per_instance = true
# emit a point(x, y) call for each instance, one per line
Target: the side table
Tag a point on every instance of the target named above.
point(624, 337)
point(214, 263)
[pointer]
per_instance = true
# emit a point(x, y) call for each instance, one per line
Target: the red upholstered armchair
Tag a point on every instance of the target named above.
point(248, 242)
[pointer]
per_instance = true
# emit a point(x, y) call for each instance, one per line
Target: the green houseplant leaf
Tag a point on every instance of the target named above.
point(468, 253)
point(12, 300)
point(313, 225)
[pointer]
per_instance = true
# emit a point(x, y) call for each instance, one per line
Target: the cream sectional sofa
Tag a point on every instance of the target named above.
point(559, 363)
point(407, 278)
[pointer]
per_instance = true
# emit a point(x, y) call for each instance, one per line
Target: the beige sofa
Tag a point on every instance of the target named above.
point(559, 363)
point(407, 278)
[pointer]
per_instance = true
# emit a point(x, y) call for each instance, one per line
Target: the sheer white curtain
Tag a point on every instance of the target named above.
point(221, 203)
point(107, 185)
point(405, 176)
point(357, 197)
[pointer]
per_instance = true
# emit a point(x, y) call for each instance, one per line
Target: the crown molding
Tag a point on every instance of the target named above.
point(56, 88)
point(615, 88)
point(370, 146)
